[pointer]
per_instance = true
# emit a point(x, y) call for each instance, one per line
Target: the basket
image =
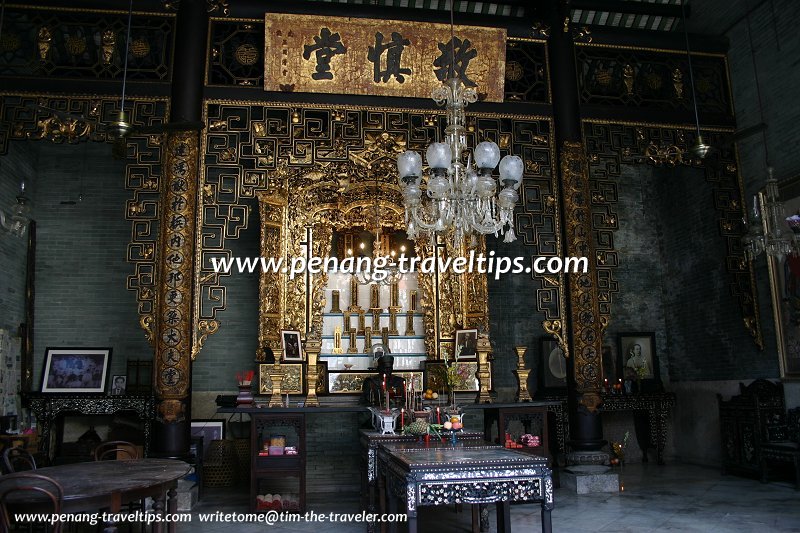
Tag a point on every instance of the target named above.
point(242, 447)
point(220, 465)
point(218, 475)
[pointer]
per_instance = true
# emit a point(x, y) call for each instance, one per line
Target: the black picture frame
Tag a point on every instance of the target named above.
point(292, 345)
point(115, 389)
point(76, 370)
point(552, 366)
point(650, 378)
point(467, 340)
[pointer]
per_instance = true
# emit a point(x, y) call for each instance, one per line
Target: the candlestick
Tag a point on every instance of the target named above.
point(402, 418)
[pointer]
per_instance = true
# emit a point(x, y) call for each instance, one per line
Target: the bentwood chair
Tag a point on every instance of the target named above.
point(111, 450)
point(17, 460)
point(31, 492)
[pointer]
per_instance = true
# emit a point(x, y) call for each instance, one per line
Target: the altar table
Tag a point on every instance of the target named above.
point(465, 473)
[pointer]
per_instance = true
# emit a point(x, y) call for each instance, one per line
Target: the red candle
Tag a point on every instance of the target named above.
point(438, 416)
point(384, 383)
point(402, 417)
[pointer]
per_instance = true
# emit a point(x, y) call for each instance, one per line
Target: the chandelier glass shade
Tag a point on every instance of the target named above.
point(459, 200)
point(16, 222)
point(768, 233)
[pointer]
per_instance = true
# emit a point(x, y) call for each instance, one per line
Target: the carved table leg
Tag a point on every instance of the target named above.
point(158, 509)
point(503, 517)
point(643, 425)
point(484, 517)
point(392, 501)
point(476, 518)
point(547, 524)
point(172, 508)
point(381, 481)
point(412, 522)
point(658, 431)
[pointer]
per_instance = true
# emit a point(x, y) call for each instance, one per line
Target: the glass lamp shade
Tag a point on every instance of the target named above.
point(487, 155)
point(438, 155)
point(507, 198)
point(511, 168)
point(438, 186)
point(486, 186)
point(409, 167)
point(412, 195)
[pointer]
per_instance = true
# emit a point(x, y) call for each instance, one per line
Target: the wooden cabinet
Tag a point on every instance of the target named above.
point(278, 475)
point(743, 424)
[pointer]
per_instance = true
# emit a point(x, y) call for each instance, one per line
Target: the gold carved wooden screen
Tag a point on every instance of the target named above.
point(312, 169)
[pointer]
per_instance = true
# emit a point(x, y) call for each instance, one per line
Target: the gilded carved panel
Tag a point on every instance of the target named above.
point(331, 163)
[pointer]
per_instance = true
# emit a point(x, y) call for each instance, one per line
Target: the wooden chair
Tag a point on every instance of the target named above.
point(17, 460)
point(48, 490)
point(110, 450)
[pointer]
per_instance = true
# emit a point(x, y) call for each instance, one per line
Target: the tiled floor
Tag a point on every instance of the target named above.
point(667, 498)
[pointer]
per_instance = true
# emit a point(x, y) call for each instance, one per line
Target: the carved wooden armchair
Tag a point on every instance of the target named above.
point(782, 445)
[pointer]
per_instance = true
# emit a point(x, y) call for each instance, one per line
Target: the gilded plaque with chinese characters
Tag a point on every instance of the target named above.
point(380, 57)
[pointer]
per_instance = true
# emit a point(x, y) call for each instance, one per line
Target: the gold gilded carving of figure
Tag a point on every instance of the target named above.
point(44, 41)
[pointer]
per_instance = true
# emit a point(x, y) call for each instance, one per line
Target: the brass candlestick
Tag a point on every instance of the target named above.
point(313, 348)
point(276, 377)
point(385, 336)
point(522, 376)
point(483, 375)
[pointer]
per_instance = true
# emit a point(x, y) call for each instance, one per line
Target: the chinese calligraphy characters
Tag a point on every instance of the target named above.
point(325, 47)
point(454, 60)
point(394, 51)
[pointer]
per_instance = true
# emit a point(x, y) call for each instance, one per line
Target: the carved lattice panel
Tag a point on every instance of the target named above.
point(613, 145)
point(21, 117)
point(333, 154)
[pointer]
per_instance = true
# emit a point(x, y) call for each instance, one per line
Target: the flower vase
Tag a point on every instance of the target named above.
point(453, 439)
point(245, 396)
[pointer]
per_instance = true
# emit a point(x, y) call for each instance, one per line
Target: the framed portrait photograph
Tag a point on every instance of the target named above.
point(292, 347)
point(209, 430)
point(553, 365)
point(466, 343)
point(637, 359)
point(118, 385)
point(76, 369)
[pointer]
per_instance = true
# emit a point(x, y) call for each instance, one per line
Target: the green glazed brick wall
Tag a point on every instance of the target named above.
point(81, 266)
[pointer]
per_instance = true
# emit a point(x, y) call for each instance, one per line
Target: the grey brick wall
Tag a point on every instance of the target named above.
point(233, 348)
point(81, 271)
point(14, 167)
point(513, 320)
point(639, 305)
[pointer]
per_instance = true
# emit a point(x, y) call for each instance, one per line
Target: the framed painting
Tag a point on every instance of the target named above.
point(553, 365)
point(637, 359)
point(209, 430)
point(463, 372)
point(76, 369)
point(293, 378)
point(291, 344)
point(784, 281)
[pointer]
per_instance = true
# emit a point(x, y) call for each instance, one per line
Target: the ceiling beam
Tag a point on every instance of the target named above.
point(633, 8)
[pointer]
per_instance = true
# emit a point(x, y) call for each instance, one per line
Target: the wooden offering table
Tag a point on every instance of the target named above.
point(370, 442)
point(464, 474)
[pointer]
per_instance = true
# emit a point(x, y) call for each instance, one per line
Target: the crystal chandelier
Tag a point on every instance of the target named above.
point(17, 221)
point(460, 200)
point(768, 234)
